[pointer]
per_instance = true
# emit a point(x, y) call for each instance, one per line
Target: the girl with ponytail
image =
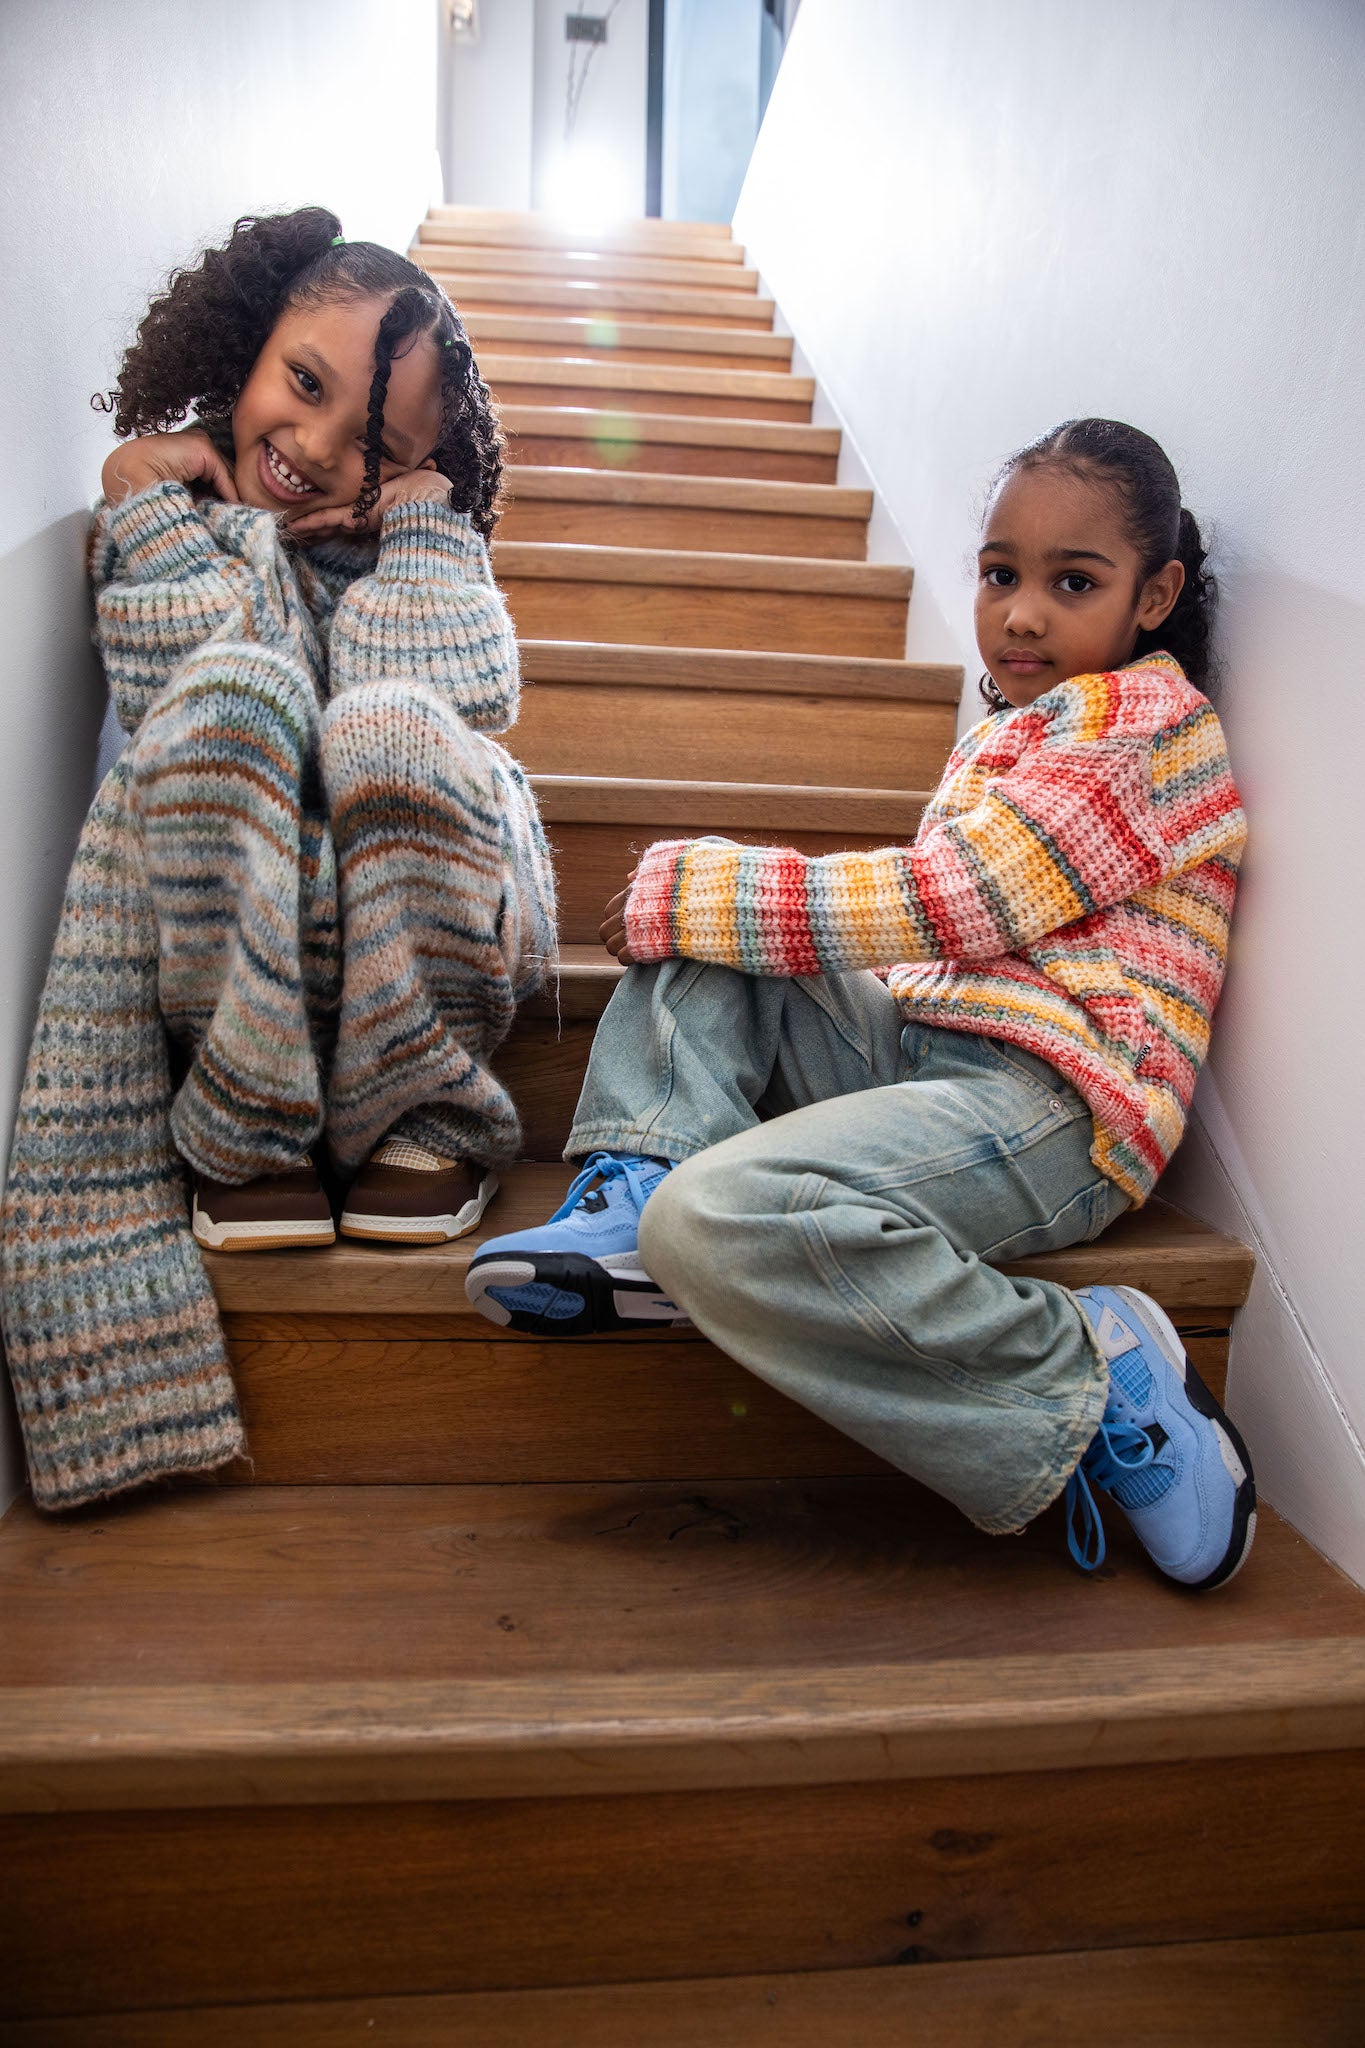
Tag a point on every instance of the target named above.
point(312, 891)
point(888, 1074)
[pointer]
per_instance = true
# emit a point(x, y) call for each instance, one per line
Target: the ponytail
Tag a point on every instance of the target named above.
point(1187, 631)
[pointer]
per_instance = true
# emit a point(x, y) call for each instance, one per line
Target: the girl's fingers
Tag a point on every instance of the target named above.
point(220, 477)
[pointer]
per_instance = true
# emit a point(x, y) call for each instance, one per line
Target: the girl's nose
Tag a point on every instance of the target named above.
point(1026, 614)
point(316, 444)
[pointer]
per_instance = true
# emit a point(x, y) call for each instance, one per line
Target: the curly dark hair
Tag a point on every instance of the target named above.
point(1162, 530)
point(199, 340)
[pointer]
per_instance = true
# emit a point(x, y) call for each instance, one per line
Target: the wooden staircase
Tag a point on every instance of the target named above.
point(538, 1694)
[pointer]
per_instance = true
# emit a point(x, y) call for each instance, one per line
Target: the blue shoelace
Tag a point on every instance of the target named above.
point(608, 1166)
point(1117, 1450)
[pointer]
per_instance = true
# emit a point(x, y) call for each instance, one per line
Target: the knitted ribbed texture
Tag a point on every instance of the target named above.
point(110, 1327)
point(432, 835)
point(205, 891)
point(1069, 889)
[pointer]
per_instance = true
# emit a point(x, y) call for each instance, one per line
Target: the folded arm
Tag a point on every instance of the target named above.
point(1070, 830)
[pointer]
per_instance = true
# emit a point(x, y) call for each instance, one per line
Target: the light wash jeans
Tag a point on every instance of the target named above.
point(840, 1248)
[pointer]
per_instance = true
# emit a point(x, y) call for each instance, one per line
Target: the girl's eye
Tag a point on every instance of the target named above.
point(308, 381)
point(1076, 585)
point(999, 577)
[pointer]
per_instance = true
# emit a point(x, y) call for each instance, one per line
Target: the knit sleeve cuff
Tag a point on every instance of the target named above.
point(156, 535)
point(422, 541)
point(712, 899)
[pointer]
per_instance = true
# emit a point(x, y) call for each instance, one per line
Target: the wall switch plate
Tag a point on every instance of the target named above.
point(585, 28)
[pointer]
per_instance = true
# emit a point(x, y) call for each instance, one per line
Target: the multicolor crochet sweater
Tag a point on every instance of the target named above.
point(1069, 889)
point(111, 1330)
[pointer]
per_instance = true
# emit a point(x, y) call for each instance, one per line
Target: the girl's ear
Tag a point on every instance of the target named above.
point(1156, 599)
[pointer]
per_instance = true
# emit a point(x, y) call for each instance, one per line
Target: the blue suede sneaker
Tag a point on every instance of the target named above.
point(1164, 1450)
point(579, 1273)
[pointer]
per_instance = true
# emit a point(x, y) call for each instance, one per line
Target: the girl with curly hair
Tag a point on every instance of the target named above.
point(312, 891)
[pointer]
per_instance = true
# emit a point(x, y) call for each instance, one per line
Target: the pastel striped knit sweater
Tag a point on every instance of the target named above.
point(1069, 889)
point(207, 895)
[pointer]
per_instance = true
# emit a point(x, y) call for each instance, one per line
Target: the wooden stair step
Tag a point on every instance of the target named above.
point(648, 387)
point(276, 1743)
point(596, 266)
point(1277, 1992)
point(599, 825)
point(833, 676)
point(497, 292)
point(610, 340)
point(679, 443)
point(540, 230)
point(373, 1400)
point(665, 1637)
point(726, 515)
point(594, 722)
point(1184, 1264)
point(797, 604)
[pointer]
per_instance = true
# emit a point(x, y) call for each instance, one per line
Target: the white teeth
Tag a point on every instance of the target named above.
point(285, 476)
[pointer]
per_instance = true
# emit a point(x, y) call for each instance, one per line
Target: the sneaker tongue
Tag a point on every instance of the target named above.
point(416, 1158)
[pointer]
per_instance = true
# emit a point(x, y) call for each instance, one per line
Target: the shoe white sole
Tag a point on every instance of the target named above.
point(434, 1229)
point(260, 1237)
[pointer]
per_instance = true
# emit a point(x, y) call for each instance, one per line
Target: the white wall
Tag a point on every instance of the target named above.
point(711, 97)
point(980, 221)
point(611, 125)
point(131, 135)
point(486, 112)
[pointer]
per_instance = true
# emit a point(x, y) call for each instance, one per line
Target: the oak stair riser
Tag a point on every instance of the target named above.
point(1274, 1993)
point(348, 1901)
point(628, 525)
point(715, 735)
point(622, 397)
point(678, 443)
point(780, 604)
point(326, 1405)
point(689, 305)
point(611, 340)
point(590, 267)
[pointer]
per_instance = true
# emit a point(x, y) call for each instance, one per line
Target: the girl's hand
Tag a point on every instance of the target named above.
point(413, 487)
point(188, 457)
point(613, 927)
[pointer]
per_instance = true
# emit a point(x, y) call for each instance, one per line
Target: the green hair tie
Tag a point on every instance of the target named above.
point(338, 241)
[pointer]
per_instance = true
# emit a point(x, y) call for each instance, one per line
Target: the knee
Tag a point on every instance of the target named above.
point(227, 703)
point(693, 1226)
point(401, 737)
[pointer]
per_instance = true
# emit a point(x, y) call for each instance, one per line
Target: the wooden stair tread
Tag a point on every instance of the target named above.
point(570, 334)
point(585, 373)
point(756, 806)
point(584, 295)
point(709, 668)
point(1156, 1249)
point(239, 1647)
point(588, 423)
point(701, 493)
point(595, 265)
point(574, 562)
point(588, 976)
point(626, 240)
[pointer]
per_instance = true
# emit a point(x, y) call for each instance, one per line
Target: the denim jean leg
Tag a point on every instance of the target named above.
point(688, 1054)
point(841, 1252)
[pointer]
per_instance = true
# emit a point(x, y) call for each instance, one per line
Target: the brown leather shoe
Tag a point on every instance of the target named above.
point(407, 1195)
point(272, 1213)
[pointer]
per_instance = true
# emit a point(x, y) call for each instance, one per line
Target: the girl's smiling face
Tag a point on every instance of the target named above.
point(1060, 590)
point(298, 428)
